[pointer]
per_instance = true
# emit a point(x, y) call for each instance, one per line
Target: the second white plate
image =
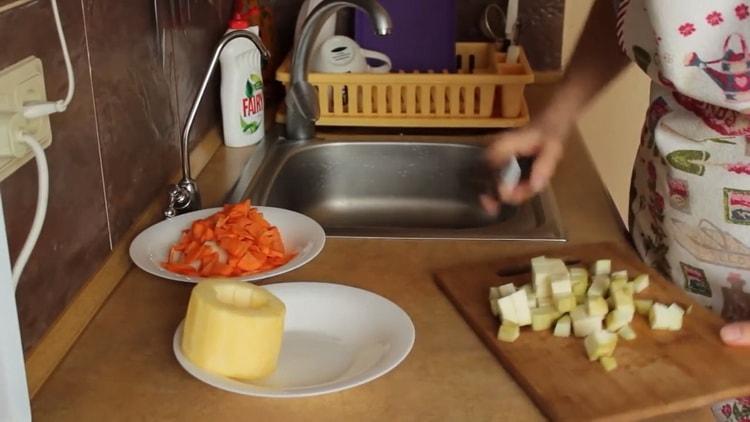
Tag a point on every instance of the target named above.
point(335, 337)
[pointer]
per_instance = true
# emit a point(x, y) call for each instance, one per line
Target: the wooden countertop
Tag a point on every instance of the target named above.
point(123, 368)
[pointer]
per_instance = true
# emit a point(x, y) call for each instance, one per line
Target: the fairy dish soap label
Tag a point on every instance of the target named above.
point(242, 101)
point(251, 118)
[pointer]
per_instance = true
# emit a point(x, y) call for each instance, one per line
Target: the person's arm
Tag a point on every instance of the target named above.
point(596, 61)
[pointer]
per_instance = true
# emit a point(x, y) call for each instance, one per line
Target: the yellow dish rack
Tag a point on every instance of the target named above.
point(484, 92)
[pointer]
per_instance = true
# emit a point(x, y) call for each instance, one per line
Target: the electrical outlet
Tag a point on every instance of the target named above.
point(21, 83)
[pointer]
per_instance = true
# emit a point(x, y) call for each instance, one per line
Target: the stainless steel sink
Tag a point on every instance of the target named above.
point(390, 190)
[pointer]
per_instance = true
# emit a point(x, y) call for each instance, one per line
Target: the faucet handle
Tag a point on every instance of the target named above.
point(183, 197)
point(177, 198)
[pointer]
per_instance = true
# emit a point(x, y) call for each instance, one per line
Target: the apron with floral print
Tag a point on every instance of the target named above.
point(690, 193)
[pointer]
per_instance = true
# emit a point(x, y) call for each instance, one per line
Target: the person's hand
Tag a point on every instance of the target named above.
point(542, 140)
point(736, 334)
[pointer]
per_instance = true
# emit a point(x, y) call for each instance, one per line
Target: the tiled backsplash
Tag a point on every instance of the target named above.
point(74, 239)
point(138, 65)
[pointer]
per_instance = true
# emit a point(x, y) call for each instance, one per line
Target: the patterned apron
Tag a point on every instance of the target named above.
point(690, 192)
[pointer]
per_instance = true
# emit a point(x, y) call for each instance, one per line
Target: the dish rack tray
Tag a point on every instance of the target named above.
point(484, 92)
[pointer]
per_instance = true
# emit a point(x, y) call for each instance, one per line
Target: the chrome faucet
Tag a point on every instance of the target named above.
point(184, 196)
point(302, 99)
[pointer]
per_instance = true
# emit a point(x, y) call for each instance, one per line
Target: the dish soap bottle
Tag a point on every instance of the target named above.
point(242, 101)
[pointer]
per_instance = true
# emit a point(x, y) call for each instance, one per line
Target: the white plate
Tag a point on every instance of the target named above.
point(335, 337)
point(300, 234)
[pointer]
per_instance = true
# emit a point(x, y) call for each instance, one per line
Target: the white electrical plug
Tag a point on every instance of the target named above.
point(35, 111)
point(11, 126)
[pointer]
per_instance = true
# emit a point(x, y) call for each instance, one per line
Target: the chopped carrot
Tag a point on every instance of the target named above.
point(223, 270)
point(250, 262)
point(234, 246)
point(235, 241)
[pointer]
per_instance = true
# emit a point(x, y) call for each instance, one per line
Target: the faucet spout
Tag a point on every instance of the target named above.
point(184, 196)
point(302, 102)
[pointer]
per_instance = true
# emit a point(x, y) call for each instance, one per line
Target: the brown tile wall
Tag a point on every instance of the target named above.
point(75, 238)
point(138, 65)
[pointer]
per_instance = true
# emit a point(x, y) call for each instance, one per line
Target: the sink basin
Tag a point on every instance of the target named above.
point(391, 190)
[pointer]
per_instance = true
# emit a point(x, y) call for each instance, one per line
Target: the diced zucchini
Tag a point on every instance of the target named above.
point(542, 318)
point(586, 326)
point(530, 295)
point(537, 261)
point(515, 308)
point(576, 305)
point(564, 302)
point(627, 333)
point(608, 362)
point(507, 309)
point(677, 315)
point(617, 319)
point(507, 289)
point(579, 273)
point(544, 301)
point(640, 283)
point(521, 303)
point(619, 275)
point(542, 272)
point(630, 286)
point(531, 299)
point(617, 284)
point(660, 317)
point(579, 312)
point(599, 286)
point(557, 266)
point(677, 309)
point(643, 306)
point(599, 344)
point(563, 327)
point(579, 281)
point(508, 332)
point(579, 289)
point(560, 284)
point(597, 306)
point(622, 300)
point(583, 323)
point(494, 308)
point(602, 266)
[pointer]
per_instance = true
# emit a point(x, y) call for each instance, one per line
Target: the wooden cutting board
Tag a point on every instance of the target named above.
point(660, 372)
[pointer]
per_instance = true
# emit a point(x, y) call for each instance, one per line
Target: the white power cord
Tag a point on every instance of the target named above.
point(41, 206)
point(32, 111)
point(14, 397)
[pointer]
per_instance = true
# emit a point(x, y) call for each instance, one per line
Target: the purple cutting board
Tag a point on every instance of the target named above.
point(423, 36)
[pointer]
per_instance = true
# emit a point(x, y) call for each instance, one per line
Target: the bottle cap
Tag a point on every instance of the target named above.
point(238, 22)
